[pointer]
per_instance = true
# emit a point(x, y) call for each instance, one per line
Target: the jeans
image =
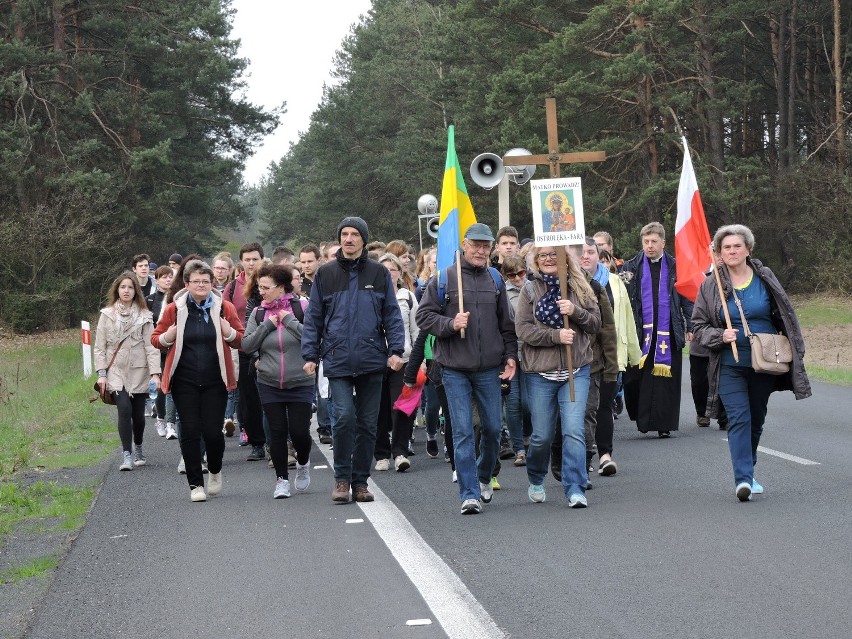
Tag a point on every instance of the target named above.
point(293, 420)
point(515, 416)
point(745, 395)
point(323, 418)
point(544, 397)
point(231, 406)
point(201, 407)
point(461, 388)
point(353, 430)
point(131, 418)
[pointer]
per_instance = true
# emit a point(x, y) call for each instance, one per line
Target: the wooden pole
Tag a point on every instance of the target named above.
point(725, 308)
point(562, 271)
point(461, 292)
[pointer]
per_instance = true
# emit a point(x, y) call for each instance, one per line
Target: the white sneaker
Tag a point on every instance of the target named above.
point(198, 494)
point(401, 463)
point(471, 507)
point(577, 501)
point(214, 484)
point(182, 467)
point(127, 463)
point(171, 432)
point(138, 455)
point(536, 493)
point(383, 464)
point(270, 464)
point(487, 492)
point(455, 477)
point(161, 427)
point(282, 489)
point(303, 477)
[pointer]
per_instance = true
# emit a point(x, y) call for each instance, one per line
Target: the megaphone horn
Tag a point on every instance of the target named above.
point(432, 226)
point(487, 170)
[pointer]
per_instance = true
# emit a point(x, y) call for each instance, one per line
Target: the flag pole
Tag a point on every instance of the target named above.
point(562, 271)
point(461, 292)
point(725, 307)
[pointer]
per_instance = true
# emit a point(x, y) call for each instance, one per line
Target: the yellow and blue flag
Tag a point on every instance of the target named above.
point(456, 212)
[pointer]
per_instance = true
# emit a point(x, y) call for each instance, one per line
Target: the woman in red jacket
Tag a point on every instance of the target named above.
point(197, 327)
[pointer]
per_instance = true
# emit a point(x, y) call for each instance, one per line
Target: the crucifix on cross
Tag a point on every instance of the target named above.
point(555, 159)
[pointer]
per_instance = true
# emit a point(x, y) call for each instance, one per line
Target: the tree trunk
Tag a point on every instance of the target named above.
point(778, 37)
point(792, 141)
point(840, 134)
point(715, 132)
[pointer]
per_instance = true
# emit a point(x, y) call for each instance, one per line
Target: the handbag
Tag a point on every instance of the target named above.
point(771, 353)
point(105, 396)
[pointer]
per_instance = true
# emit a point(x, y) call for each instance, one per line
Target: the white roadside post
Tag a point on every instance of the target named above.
point(86, 336)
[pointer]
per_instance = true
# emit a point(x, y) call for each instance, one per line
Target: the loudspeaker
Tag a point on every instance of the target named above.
point(427, 204)
point(432, 226)
point(520, 174)
point(487, 170)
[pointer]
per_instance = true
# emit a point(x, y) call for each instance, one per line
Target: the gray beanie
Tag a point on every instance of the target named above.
point(356, 223)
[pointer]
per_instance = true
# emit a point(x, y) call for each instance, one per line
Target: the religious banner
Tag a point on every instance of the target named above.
point(557, 206)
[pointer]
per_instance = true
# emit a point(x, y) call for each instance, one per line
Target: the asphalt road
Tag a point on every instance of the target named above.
point(664, 550)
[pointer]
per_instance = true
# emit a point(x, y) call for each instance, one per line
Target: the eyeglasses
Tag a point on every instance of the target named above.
point(516, 274)
point(263, 289)
point(546, 256)
point(478, 246)
point(200, 282)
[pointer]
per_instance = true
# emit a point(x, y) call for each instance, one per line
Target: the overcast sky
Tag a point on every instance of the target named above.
point(291, 46)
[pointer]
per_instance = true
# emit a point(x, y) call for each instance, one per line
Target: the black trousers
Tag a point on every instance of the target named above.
point(200, 407)
point(701, 387)
point(394, 427)
point(131, 418)
point(251, 412)
point(293, 419)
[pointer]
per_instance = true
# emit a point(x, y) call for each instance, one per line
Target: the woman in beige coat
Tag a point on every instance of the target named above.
point(126, 361)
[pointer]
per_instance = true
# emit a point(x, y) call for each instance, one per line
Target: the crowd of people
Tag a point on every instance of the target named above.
point(515, 352)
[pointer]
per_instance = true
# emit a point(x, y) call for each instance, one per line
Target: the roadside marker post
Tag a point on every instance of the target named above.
point(86, 338)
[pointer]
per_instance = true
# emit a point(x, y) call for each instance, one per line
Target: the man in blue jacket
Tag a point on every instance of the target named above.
point(353, 324)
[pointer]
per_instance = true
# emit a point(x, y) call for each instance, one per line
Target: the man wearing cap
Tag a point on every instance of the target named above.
point(354, 325)
point(475, 364)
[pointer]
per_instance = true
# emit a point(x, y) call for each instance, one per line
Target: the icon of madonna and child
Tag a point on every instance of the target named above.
point(557, 214)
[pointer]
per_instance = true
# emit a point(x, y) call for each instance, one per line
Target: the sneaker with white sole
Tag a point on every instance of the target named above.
point(196, 493)
point(182, 467)
point(756, 489)
point(487, 492)
point(432, 447)
point(401, 463)
point(282, 488)
point(214, 484)
point(127, 461)
point(495, 484)
point(171, 431)
point(744, 491)
point(471, 507)
point(382, 464)
point(138, 455)
point(536, 493)
point(455, 477)
point(160, 425)
point(303, 477)
point(577, 500)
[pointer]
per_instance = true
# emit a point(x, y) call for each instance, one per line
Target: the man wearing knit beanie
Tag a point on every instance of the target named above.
point(353, 322)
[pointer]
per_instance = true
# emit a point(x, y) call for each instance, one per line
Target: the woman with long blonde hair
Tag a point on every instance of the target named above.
point(542, 328)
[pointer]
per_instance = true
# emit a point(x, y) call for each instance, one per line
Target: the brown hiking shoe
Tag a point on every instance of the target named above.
point(361, 493)
point(340, 492)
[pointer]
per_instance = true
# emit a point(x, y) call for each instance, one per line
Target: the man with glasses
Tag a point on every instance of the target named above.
point(473, 365)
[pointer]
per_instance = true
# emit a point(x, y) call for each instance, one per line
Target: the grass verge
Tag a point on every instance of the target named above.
point(46, 424)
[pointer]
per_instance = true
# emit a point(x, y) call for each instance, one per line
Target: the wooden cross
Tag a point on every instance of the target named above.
point(555, 159)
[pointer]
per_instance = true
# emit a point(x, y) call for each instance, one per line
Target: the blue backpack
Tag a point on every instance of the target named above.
point(442, 285)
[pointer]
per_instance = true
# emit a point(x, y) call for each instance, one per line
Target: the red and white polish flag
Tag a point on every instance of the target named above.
point(692, 238)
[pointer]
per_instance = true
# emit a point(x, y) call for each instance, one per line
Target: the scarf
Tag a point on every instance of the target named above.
point(547, 310)
point(601, 275)
point(663, 345)
point(283, 303)
point(205, 307)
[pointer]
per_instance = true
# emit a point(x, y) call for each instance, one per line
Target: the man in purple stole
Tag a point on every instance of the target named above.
point(663, 320)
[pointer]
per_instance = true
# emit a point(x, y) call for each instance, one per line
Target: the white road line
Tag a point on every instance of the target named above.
point(787, 456)
point(456, 609)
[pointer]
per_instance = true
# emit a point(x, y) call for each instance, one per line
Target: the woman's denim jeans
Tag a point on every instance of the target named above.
point(550, 401)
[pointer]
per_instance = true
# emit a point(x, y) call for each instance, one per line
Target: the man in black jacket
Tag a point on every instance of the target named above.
point(473, 365)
